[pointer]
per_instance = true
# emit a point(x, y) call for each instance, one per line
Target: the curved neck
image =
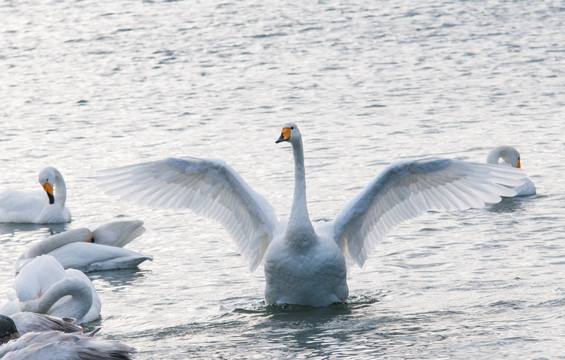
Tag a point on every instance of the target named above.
point(493, 157)
point(299, 213)
point(57, 241)
point(59, 189)
point(77, 289)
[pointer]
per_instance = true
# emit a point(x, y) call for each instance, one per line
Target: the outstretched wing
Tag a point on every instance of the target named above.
point(208, 187)
point(407, 189)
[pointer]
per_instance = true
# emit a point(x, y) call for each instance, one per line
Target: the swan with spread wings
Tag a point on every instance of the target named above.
point(305, 263)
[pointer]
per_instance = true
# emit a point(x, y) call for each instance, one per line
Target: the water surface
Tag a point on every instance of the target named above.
point(88, 85)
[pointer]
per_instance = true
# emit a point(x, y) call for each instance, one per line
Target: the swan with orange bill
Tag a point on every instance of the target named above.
point(509, 156)
point(38, 207)
point(305, 263)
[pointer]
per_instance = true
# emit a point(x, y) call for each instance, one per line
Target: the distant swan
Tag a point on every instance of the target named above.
point(84, 250)
point(511, 157)
point(44, 286)
point(303, 265)
point(37, 207)
point(52, 344)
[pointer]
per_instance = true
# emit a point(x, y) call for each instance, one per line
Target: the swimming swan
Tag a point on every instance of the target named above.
point(87, 250)
point(44, 286)
point(36, 207)
point(34, 322)
point(306, 265)
point(511, 157)
point(52, 344)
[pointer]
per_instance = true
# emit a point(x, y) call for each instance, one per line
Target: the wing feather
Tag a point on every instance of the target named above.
point(208, 187)
point(407, 189)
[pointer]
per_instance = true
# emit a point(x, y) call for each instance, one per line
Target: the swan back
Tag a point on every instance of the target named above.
point(52, 243)
point(118, 233)
point(55, 345)
point(37, 277)
point(96, 257)
point(44, 286)
point(34, 322)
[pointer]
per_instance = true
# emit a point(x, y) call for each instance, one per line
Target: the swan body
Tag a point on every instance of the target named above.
point(44, 286)
point(308, 272)
point(306, 265)
point(511, 157)
point(33, 322)
point(45, 344)
point(55, 345)
point(87, 251)
point(37, 207)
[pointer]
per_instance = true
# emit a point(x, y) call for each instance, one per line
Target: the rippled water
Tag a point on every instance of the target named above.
point(87, 85)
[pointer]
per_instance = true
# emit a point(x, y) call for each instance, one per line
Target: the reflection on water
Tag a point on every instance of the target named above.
point(507, 205)
point(369, 83)
point(115, 280)
point(47, 229)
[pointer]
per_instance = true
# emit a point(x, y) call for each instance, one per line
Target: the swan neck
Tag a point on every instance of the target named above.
point(299, 213)
point(60, 190)
point(77, 289)
point(58, 240)
point(493, 157)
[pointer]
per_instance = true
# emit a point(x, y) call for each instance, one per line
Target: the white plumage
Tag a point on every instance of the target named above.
point(511, 157)
point(37, 207)
point(44, 286)
point(304, 265)
point(87, 250)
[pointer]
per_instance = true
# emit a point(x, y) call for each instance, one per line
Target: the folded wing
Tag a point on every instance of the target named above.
point(407, 189)
point(208, 187)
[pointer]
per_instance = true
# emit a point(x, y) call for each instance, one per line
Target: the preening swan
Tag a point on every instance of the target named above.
point(37, 207)
point(52, 344)
point(87, 251)
point(44, 286)
point(33, 322)
point(511, 157)
point(305, 265)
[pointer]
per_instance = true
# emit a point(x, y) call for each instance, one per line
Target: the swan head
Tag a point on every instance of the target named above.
point(507, 153)
point(46, 178)
point(289, 133)
point(8, 329)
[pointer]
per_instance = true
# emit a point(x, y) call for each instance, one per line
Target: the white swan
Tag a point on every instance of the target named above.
point(44, 286)
point(36, 207)
point(304, 265)
point(87, 251)
point(52, 344)
point(511, 157)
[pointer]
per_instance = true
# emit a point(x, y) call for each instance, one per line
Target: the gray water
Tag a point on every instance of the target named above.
point(88, 85)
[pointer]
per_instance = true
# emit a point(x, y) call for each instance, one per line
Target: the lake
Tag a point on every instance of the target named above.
point(89, 85)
